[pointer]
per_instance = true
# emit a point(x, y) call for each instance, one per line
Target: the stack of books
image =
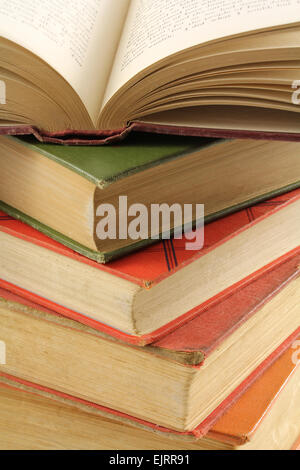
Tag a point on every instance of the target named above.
point(162, 346)
point(149, 287)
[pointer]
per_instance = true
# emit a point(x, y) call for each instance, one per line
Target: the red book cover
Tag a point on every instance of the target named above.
point(155, 263)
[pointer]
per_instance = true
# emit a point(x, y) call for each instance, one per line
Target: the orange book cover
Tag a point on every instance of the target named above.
point(240, 423)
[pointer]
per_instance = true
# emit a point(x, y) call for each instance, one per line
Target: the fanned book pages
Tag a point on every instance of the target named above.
point(261, 414)
point(142, 292)
point(60, 190)
point(92, 70)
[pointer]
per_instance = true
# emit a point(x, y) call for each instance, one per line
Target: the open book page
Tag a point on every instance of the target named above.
point(78, 38)
point(155, 29)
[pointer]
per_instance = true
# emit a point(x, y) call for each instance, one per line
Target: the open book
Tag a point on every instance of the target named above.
point(92, 69)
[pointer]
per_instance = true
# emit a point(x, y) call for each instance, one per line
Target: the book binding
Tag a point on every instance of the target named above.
point(99, 137)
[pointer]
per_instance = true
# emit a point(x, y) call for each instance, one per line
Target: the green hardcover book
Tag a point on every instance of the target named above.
point(58, 190)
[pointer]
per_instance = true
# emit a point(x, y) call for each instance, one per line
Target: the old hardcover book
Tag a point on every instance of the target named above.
point(60, 190)
point(228, 310)
point(261, 414)
point(145, 291)
point(186, 373)
point(91, 71)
